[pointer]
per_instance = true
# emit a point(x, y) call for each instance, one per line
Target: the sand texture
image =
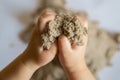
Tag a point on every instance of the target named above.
point(67, 25)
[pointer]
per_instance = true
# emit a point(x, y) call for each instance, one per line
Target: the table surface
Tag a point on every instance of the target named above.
point(105, 11)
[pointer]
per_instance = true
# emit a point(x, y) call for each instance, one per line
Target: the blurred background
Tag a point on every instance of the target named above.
point(107, 12)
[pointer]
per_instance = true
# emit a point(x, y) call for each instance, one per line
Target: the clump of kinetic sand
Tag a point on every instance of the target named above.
point(68, 25)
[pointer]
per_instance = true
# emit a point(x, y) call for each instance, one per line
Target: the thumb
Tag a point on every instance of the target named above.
point(64, 44)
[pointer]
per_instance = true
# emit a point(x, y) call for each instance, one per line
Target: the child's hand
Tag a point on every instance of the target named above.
point(72, 57)
point(34, 57)
point(34, 50)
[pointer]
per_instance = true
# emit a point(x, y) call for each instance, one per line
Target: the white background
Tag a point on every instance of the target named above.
point(107, 12)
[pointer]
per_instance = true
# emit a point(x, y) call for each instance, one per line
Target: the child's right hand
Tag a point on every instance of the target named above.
point(72, 57)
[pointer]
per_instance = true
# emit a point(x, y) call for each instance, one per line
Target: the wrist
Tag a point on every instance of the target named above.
point(77, 68)
point(22, 68)
point(80, 74)
point(28, 60)
point(78, 65)
point(76, 71)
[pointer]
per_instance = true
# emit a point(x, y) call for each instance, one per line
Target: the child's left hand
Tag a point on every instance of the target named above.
point(34, 50)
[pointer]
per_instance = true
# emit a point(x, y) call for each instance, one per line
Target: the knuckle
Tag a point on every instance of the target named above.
point(42, 19)
point(48, 12)
point(61, 38)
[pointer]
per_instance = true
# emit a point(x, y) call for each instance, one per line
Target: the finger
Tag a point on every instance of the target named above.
point(82, 47)
point(47, 11)
point(44, 19)
point(44, 13)
point(83, 21)
point(85, 38)
point(53, 49)
point(64, 44)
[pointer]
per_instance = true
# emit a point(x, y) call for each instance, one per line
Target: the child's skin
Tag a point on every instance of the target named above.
point(71, 56)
